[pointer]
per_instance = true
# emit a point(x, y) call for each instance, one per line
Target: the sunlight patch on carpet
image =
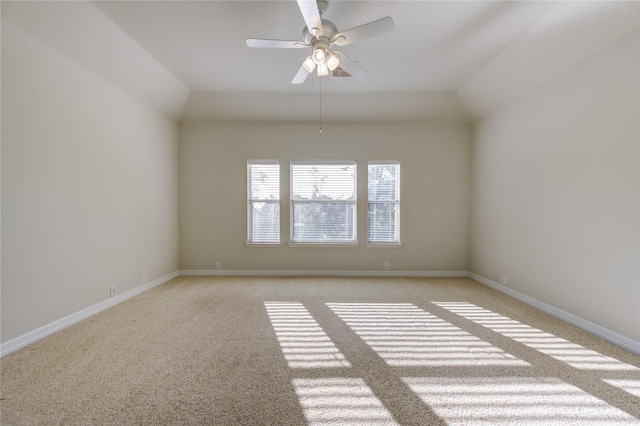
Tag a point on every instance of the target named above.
point(561, 349)
point(631, 386)
point(514, 400)
point(303, 342)
point(340, 401)
point(405, 335)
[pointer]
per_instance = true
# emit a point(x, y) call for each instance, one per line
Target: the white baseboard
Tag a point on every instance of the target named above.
point(604, 333)
point(40, 333)
point(320, 273)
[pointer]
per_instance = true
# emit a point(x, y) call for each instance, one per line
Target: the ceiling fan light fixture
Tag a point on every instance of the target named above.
point(309, 65)
point(321, 35)
point(323, 70)
point(332, 61)
point(319, 55)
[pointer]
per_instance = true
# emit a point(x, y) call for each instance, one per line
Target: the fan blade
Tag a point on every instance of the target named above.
point(351, 67)
point(372, 29)
point(309, 9)
point(301, 76)
point(278, 44)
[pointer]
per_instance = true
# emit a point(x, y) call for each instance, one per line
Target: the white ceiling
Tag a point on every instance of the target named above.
point(453, 60)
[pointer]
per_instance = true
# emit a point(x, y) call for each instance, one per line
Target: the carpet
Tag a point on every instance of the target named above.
point(321, 351)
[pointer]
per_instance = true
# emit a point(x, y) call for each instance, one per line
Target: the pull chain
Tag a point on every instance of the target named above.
point(320, 82)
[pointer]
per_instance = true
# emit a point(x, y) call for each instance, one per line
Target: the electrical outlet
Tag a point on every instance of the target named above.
point(218, 265)
point(386, 266)
point(503, 280)
point(143, 279)
point(113, 291)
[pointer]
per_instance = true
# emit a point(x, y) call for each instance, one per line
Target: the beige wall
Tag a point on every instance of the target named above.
point(89, 188)
point(434, 194)
point(545, 192)
point(555, 191)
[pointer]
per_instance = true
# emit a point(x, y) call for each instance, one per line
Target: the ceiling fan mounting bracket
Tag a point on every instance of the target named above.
point(323, 5)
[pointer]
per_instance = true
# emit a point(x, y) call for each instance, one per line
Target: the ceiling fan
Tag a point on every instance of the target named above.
point(321, 34)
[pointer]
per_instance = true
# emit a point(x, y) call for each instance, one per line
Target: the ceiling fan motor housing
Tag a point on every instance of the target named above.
point(329, 29)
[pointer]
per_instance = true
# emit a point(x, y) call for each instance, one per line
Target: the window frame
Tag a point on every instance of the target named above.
point(250, 242)
point(354, 203)
point(396, 203)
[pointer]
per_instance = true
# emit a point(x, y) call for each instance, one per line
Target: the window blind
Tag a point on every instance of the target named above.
point(263, 202)
point(323, 202)
point(383, 222)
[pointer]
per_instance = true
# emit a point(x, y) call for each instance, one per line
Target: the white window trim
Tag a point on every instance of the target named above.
point(371, 244)
point(332, 244)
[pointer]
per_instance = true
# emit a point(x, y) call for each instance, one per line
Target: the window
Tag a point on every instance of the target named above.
point(383, 225)
point(263, 194)
point(323, 202)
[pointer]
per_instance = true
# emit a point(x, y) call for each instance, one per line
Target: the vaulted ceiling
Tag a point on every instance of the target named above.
point(449, 60)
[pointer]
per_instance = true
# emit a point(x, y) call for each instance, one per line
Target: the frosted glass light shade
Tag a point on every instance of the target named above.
point(323, 70)
point(308, 64)
point(319, 56)
point(332, 61)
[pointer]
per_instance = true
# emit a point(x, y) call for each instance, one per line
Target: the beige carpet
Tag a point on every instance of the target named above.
point(326, 351)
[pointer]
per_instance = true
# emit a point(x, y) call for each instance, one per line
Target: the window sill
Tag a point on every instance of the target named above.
point(324, 245)
point(262, 244)
point(384, 245)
